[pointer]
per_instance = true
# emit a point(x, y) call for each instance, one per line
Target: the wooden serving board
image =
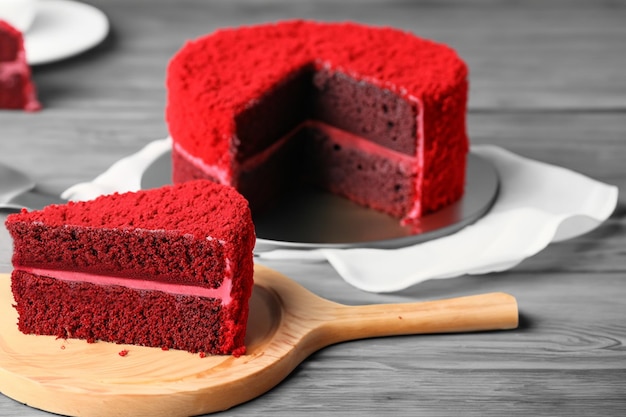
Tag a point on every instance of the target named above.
point(287, 323)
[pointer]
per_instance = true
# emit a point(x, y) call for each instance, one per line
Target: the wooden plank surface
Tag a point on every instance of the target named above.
point(547, 81)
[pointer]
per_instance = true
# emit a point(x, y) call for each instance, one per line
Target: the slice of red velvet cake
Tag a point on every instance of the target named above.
point(17, 90)
point(170, 267)
point(373, 114)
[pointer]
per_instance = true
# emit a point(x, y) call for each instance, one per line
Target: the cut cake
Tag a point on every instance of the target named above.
point(17, 90)
point(373, 114)
point(170, 267)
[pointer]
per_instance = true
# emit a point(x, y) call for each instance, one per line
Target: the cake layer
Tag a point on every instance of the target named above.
point(158, 255)
point(360, 170)
point(48, 306)
point(366, 110)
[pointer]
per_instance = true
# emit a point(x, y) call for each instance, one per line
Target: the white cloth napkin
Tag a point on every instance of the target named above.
point(537, 204)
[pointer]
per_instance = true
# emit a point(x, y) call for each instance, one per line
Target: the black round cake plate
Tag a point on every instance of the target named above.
point(312, 219)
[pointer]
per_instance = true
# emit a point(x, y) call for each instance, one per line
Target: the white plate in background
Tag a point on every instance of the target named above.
point(62, 29)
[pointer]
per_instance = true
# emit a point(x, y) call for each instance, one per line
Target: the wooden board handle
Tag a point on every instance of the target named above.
point(493, 311)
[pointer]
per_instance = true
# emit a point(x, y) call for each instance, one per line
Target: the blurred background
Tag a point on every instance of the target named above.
point(561, 59)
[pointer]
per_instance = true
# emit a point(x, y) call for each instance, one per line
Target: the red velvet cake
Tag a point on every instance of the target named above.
point(17, 90)
point(170, 267)
point(373, 114)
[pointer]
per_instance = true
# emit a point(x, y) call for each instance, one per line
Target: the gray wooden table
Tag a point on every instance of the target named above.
point(548, 81)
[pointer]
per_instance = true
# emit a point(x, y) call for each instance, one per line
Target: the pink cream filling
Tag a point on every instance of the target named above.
point(222, 293)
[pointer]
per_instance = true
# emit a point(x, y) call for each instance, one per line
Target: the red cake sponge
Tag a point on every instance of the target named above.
point(170, 267)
